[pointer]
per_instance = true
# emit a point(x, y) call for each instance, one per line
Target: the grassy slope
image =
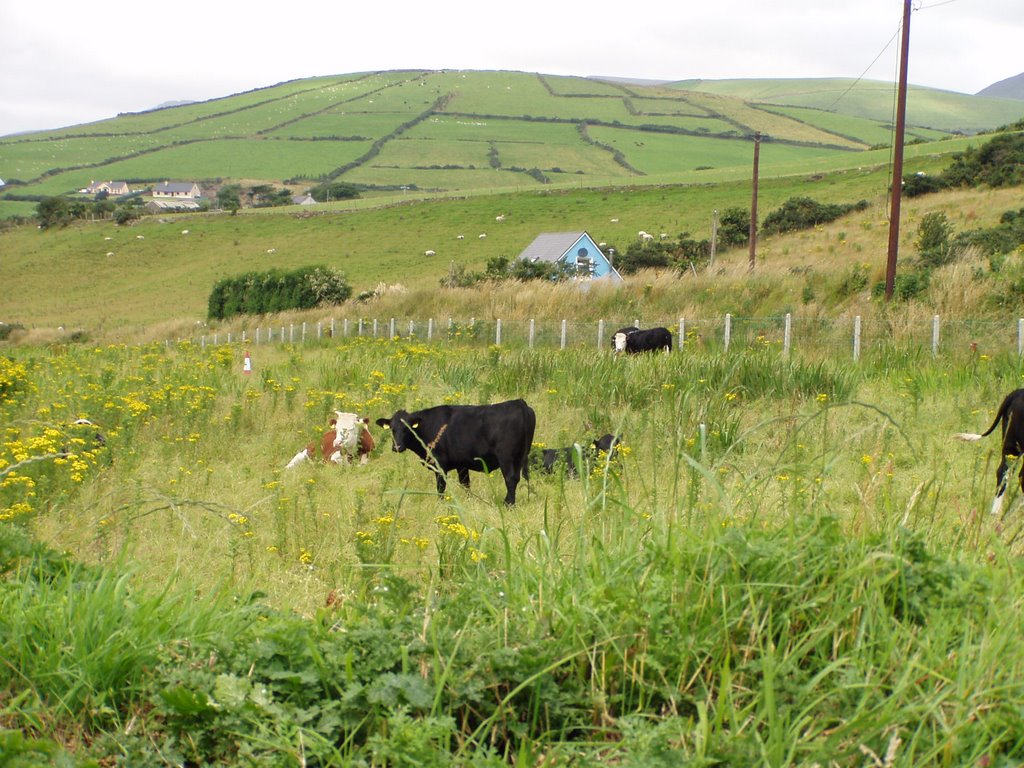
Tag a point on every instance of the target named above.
point(926, 107)
point(156, 274)
point(265, 135)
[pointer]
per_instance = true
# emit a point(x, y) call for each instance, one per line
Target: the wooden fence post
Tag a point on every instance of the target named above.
point(856, 338)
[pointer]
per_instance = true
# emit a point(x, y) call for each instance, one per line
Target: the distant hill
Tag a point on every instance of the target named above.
point(870, 100)
point(1010, 88)
point(444, 132)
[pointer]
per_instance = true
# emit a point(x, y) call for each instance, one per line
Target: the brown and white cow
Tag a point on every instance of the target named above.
point(348, 437)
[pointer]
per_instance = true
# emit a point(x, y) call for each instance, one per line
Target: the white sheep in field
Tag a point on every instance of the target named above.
point(430, 253)
point(641, 233)
point(647, 237)
point(271, 250)
point(483, 235)
point(500, 217)
point(614, 221)
point(460, 237)
point(664, 235)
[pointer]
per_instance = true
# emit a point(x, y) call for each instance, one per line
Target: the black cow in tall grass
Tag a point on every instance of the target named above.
point(549, 458)
point(480, 438)
point(1010, 419)
point(639, 340)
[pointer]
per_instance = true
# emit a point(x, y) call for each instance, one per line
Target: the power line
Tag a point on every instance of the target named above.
point(861, 77)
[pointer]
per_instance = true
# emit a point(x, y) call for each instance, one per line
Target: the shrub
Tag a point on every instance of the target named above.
point(257, 293)
point(803, 213)
point(933, 239)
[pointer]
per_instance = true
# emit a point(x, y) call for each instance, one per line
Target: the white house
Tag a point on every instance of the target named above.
point(177, 189)
point(114, 188)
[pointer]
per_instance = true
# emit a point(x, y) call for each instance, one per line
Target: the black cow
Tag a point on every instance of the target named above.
point(481, 438)
point(643, 340)
point(548, 458)
point(1010, 418)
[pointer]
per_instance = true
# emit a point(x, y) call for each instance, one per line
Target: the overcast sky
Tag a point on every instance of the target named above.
point(64, 62)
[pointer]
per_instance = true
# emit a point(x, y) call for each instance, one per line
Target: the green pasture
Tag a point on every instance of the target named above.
point(342, 121)
point(28, 159)
point(157, 274)
point(653, 152)
point(789, 562)
point(582, 86)
point(207, 141)
point(871, 99)
point(679, 106)
point(221, 158)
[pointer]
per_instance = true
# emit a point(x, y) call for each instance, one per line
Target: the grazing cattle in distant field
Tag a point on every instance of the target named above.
point(1010, 419)
point(348, 437)
point(549, 458)
point(481, 438)
point(649, 340)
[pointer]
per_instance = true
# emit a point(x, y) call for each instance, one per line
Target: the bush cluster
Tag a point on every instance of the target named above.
point(257, 293)
point(997, 163)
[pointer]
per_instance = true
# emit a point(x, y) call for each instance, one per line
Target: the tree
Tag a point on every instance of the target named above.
point(53, 212)
point(229, 198)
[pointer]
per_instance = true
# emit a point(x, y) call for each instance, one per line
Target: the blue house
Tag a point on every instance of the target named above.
point(576, 250)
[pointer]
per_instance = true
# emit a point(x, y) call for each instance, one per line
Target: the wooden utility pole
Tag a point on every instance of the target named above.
point(897, 160)
point(753, 203)
point(714, 238)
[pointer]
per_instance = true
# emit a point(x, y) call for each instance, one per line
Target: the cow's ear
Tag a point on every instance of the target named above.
point(385, 423)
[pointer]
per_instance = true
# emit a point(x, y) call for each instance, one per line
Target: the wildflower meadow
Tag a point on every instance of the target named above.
point(787, 561)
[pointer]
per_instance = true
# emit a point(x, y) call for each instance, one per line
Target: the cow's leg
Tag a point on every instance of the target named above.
point(299, 457)
point(997, 502)
point(511, 475)
point(464, 476)
point(442, 483)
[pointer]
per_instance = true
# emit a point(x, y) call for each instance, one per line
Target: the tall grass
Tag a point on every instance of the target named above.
point(788, 563)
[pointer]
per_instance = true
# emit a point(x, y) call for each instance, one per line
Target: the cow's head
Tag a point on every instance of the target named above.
point(607, 443)
point(401, 426)
point(346, 430)
point(619, 340)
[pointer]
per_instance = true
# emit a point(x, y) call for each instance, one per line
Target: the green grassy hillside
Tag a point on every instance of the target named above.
point(453, 132)
point(942, 111)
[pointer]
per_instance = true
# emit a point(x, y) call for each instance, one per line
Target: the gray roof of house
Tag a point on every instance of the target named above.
point(550, 246)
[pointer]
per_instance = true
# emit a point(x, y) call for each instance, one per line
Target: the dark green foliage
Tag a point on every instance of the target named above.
point(334, 190)
point(853, 281)
point(734, 227)
point(257, 293)
point(933, 239)
point(997, 163)
point(907, 285)
point(921, 184)
point(53, 212)
point(229, 197)
point(1001, 239)
point(803, 213)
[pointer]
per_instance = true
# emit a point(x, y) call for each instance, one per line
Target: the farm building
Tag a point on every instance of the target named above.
point(575, 250)
point(306, 199)
point(172, 206)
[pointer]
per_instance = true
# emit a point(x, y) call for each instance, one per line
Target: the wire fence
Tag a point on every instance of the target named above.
point(849, 338)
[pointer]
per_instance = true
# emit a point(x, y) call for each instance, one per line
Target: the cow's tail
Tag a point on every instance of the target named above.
point(1001, 416)
point(530, 426)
